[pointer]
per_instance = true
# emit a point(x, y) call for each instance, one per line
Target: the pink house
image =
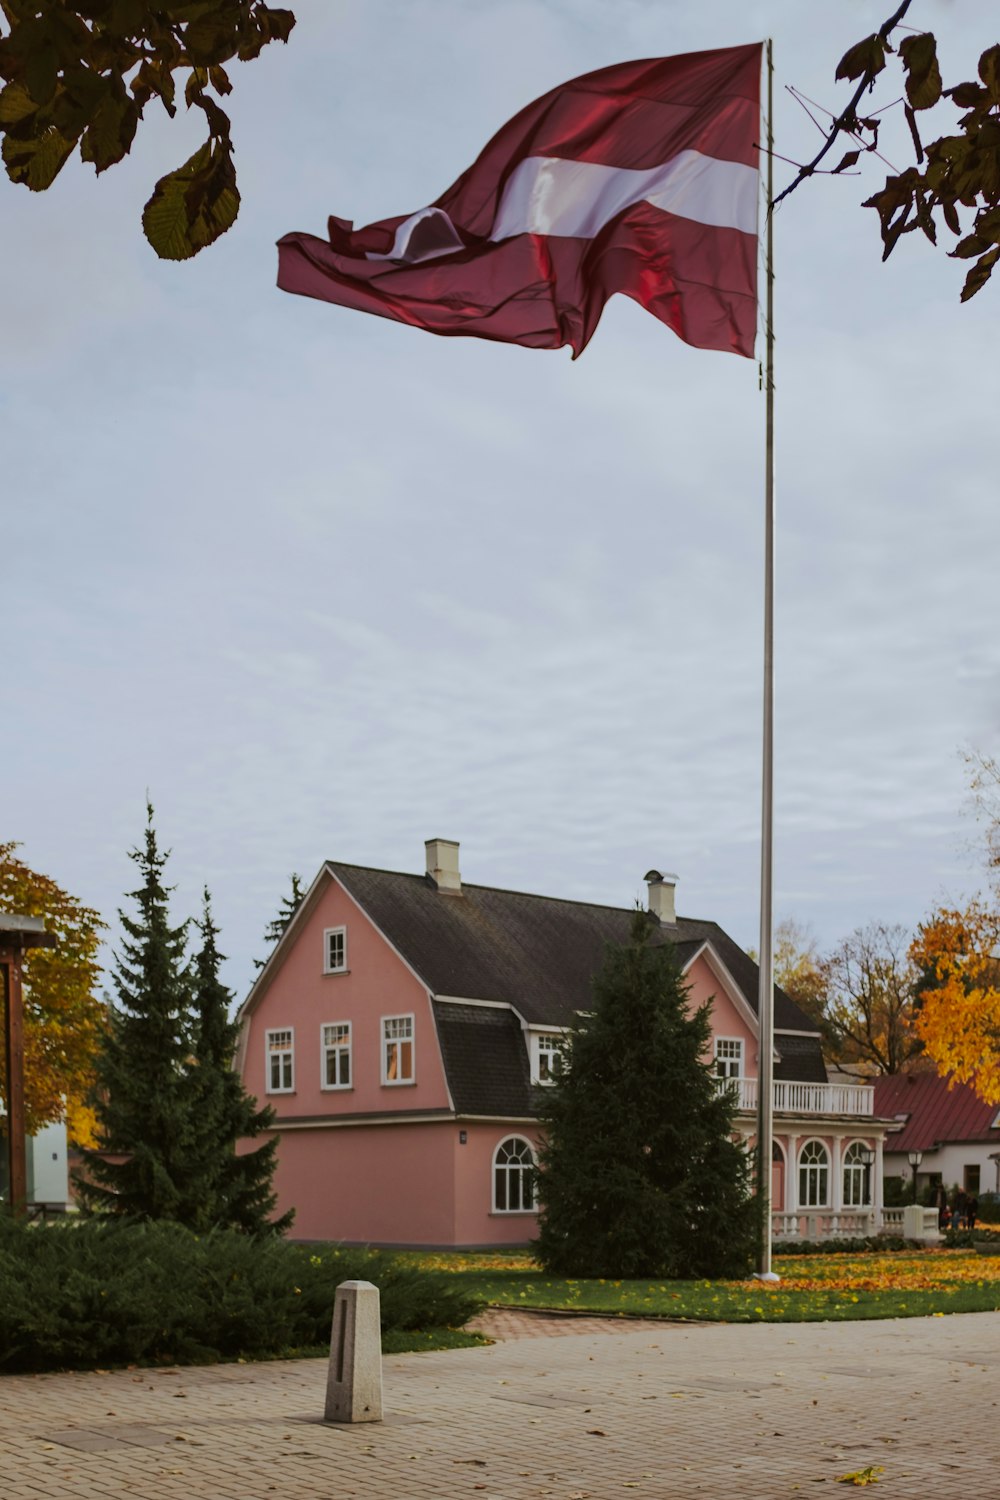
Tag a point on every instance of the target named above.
point(404, 1025)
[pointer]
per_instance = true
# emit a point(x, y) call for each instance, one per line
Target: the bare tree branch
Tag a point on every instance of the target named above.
point(846, 121)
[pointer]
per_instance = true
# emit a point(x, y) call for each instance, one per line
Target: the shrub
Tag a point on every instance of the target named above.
point(117, 1292)
point(871, 1244)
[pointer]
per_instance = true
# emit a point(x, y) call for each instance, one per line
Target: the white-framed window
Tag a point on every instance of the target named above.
point(729, 1057)
point(513, 1177)
point(335, 950)
point(814, 1175)
point(549, 1059)
point(397, 1049)
point(857, 1176)
point(336, 1055)
point(280, 1049)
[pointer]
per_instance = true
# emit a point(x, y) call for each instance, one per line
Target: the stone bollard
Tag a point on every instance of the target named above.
point(354, 1380)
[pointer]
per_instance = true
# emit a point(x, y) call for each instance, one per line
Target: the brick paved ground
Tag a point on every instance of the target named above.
point(745, 1413)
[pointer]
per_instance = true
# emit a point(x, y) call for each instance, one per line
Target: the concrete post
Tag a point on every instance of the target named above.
point(354, 1378)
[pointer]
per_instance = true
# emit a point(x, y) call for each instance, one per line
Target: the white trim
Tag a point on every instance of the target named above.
point(324, 1048)
point(534, 1035)
point(466, 1000)
point(263, 981)
point(846, 1144)
point(392, 1083)
point(740, 1059)
point(817, 1166)
point(271, 1031)
point(507, 1212)
point(733, 990)
point(328, 933)
point(401, 1117)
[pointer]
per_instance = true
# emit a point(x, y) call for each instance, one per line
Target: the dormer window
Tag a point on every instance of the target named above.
point(550, 1057)
point(335, 950)
point(546, 1051)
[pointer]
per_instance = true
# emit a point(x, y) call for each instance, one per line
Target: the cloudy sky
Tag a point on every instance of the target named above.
point(327, 586)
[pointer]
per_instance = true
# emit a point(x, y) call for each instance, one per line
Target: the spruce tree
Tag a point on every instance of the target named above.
point(142, 1095)
point(640, 1174)
point(226, 1188)
point(286, 911)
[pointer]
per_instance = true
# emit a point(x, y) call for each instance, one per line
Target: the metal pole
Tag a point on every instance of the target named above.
point(765, 1006)
point(17, 1194)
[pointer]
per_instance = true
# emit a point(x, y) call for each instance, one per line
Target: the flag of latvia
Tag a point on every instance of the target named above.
point(640, 178)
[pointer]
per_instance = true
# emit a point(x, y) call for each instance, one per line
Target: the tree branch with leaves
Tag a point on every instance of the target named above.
point(80, 74)
point(957, 171)
point(958, 1020)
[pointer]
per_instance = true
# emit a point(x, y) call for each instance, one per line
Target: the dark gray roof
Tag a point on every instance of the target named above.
point(485, 1059)
point(800, 1059)
point(536, 953)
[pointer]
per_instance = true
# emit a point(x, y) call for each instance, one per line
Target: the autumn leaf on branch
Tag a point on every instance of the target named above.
point(80, 74)
point(958, 1015)
point(958, 171)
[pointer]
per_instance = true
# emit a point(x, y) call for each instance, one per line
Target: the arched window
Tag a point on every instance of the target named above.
point(857, 1176)
point(814, 1175)
point(513, 1177)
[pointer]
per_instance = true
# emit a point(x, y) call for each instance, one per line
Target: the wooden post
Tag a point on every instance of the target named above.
point(17, 934)
point(17, 1188)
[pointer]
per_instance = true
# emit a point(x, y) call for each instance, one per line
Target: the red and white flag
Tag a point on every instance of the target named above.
point(640, 178)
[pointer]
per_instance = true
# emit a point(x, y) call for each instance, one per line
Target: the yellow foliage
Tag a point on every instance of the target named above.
point(959, 1016)
point(63, 1016)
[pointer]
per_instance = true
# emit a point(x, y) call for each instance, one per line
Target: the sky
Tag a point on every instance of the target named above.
point(324, 586)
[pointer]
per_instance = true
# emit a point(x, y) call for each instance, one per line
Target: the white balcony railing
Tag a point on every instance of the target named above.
point(807, 1098)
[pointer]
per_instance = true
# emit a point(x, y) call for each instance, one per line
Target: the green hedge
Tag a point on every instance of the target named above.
point(873, 1244)
point(80, 1294)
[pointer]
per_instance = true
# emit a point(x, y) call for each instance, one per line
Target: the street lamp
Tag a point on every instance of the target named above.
point(867, 1161)
point(914, 1158)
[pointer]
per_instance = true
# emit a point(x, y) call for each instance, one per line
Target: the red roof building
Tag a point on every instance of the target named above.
point(956, 1133)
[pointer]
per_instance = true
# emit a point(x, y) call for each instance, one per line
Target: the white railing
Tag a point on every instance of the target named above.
point(892, 1219)
point(807, 1098)
point(823, 1224)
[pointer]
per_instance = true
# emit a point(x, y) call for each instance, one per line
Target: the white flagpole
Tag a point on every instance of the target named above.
point(765, 1006)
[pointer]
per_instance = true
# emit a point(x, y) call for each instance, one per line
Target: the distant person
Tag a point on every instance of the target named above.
point(958, 1216)
point(941, 1203)
point(971, 1211)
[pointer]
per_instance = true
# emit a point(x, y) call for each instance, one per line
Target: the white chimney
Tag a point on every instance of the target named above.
point(442, 865)
point(661, 897)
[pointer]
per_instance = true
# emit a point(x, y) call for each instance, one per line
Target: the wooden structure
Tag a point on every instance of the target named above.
point(17, 934)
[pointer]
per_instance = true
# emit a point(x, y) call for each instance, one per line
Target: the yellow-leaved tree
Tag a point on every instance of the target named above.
point(63, 1015)
point(958, 1011)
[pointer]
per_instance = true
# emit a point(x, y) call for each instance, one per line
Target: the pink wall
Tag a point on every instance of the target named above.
point(407, 1184)
point(727, 1020)
point(377, 983)
point(377, 1184)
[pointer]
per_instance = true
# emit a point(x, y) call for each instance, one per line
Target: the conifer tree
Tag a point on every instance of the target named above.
point(227, 1188)
point(286, 911)
point(142, 1095)
point(640, 1174)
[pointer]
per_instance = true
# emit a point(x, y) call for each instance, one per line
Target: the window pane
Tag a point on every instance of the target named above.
point(345, 1068)
point(406, 1060)
point(501, 1189)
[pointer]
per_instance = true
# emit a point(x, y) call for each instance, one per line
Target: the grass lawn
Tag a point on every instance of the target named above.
point(813, 1288)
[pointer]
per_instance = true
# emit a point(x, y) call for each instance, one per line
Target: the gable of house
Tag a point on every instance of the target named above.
point(486, 970)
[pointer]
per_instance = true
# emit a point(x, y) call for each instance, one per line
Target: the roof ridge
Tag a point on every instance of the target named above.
point(504, 890)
